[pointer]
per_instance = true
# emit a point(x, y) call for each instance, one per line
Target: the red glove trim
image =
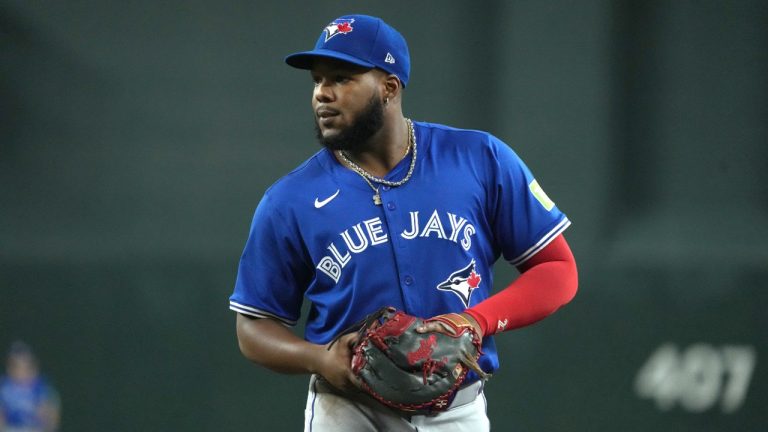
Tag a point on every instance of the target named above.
point(548, 281)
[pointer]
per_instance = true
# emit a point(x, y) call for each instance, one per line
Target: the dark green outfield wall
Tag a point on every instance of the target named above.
point(137, 137)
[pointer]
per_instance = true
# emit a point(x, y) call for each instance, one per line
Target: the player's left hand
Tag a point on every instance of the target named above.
point(438, 326)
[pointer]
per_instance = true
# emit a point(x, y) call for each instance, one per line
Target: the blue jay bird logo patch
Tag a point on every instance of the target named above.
point(462, 283)
point(340, 26)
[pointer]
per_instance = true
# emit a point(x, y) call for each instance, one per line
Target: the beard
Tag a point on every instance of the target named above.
point(370, 121)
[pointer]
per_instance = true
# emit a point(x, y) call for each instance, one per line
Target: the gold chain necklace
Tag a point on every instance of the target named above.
point(370, 179)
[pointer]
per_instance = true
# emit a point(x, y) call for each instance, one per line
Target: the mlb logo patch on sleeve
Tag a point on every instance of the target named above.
point(540, 196)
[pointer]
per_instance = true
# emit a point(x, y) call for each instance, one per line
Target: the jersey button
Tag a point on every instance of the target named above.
point(385, 187)
point(391, 205)
point(408, 280)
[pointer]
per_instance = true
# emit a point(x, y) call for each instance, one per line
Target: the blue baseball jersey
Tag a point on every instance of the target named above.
point(20, 402)
point(429, 249)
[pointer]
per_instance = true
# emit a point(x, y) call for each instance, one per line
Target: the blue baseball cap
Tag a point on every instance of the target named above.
point(362, 40)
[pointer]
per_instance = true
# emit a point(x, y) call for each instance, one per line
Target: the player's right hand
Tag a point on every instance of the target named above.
point(335, 363)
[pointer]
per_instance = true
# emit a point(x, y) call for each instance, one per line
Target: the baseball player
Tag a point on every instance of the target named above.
point(395, 212)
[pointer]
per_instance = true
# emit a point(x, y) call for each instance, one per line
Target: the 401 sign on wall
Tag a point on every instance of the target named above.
point(698, 378)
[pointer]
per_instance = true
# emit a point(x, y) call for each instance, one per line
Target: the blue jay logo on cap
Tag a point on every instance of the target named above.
point(340, 26)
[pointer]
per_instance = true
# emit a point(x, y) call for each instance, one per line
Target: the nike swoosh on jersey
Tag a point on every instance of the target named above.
point(319, 203)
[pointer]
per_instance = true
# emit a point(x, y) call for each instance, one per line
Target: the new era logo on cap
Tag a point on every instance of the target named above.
point(389, 59)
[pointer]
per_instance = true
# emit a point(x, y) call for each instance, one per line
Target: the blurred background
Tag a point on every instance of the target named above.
point(136, 139)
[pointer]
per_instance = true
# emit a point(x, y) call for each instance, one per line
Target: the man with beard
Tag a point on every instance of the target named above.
point(391, 212)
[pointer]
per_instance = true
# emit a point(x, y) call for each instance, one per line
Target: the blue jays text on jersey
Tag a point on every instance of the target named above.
point(429, 249)
point(371, 232)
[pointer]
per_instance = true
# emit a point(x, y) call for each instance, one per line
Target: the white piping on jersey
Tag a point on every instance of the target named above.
point(258, 313)
point(541, 244)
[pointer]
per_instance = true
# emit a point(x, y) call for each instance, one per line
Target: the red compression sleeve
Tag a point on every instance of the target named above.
point(548, 280)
